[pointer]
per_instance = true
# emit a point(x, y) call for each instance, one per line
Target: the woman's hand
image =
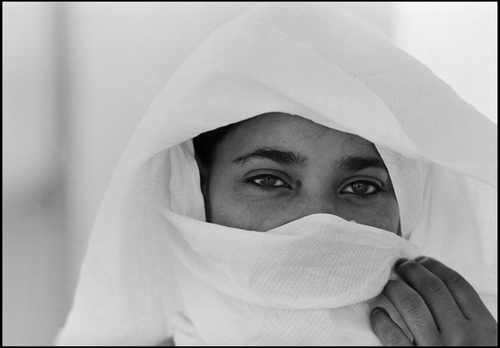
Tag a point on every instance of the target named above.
point(438, 305)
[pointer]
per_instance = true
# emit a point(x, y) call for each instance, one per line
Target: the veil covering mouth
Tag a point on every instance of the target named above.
point(154, 268)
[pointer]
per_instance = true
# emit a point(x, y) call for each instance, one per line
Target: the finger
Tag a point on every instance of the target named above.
point(433, 290)
point(382, 301)
point(387, 331)
point(467, 299)
point(413, 309)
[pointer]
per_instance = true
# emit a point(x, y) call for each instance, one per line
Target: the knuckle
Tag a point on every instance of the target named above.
point(455, 279)
point(431, 286)
point(412, 304)
point(394, 338)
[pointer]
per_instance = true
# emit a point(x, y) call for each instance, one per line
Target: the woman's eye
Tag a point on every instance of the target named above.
point(362, 188)
point(268, 181)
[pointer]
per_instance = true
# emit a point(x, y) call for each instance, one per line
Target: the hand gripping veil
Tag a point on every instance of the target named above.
point(154, 267)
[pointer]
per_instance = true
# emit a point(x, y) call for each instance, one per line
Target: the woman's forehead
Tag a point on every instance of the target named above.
point(294, 133)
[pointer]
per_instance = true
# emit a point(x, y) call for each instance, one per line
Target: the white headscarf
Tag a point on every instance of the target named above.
point(155, 268)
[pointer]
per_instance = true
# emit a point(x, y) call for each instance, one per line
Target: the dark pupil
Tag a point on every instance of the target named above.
point(359, 187)
point(268, 181)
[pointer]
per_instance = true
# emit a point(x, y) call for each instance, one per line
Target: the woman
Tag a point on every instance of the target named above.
point(276, 168)
point(341, 114)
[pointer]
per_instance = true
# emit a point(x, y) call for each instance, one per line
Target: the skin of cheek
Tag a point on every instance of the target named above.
point(384, 215)
point(267, 215)
point(249, 211)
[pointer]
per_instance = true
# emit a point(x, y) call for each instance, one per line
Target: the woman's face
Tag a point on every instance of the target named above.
point(278, 168)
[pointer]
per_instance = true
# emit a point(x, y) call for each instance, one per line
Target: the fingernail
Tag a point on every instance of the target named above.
point(421, 259)
point(375, 310)
point(402, 262)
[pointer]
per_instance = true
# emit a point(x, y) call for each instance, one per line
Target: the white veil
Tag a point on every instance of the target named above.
point(154, 268)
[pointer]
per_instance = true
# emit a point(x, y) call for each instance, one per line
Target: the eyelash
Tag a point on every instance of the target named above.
point(252, 181)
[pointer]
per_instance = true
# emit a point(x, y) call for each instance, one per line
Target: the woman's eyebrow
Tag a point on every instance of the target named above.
point(279, 156)
point(357, 163)
point(284, 157)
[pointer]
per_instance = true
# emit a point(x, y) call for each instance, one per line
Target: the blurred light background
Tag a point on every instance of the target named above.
point(77, 78)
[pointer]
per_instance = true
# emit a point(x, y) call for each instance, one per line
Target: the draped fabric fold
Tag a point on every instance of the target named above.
point(154, 267)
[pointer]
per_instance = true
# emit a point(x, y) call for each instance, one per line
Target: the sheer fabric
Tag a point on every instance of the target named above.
point(154, 267)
